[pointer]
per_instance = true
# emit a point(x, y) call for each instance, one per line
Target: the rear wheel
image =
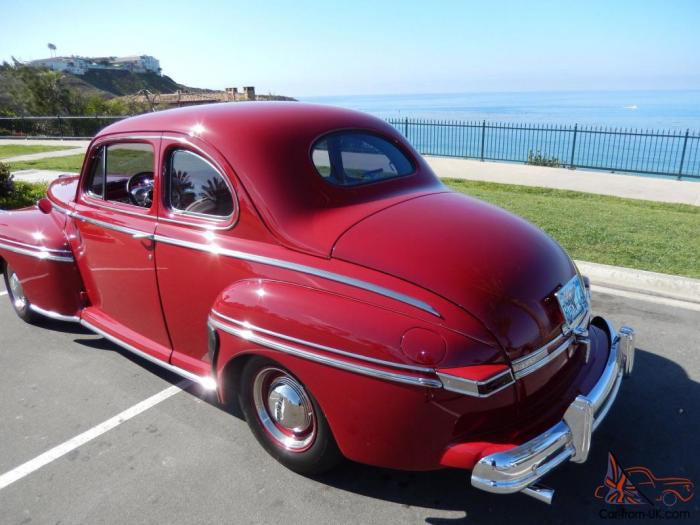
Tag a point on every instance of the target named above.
point(286, 419)
point(18, 299)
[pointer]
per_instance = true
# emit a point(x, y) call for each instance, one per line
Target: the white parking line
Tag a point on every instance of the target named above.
point(646, 297)
point(3, 293)
point(64, 448)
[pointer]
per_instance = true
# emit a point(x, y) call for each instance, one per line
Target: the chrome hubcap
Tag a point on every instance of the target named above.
point(284, 409)
point(17, 292)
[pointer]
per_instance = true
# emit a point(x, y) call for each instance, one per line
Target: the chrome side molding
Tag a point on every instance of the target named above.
point(250, 335)
point(54, 315)
point(301, 268)
point(38, 252)
point(262, 259)
point(470, 387)
point(248, 326)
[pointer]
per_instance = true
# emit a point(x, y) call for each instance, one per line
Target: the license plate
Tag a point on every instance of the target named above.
point(572, 300)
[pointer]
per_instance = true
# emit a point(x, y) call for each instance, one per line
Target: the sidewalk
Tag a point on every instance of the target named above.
point(46, 154)
point(76, 143)
point(599, 182)
point(602, 183)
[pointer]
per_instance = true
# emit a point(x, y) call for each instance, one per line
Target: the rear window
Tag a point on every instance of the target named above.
point(353, 158)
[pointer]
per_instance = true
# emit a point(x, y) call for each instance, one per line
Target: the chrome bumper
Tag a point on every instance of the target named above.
point(520, 468)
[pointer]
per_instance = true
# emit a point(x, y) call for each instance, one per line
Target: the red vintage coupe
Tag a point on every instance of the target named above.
point(306, 263)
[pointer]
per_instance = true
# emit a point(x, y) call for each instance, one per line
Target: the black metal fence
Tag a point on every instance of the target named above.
point(64, 127)
point(670, 153)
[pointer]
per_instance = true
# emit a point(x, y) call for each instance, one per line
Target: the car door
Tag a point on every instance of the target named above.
point(199, 212)
point(114, 222)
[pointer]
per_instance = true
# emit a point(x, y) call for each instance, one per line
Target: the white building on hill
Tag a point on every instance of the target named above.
point(80, 65)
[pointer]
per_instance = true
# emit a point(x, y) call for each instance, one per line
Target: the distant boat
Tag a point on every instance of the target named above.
point(633, 106)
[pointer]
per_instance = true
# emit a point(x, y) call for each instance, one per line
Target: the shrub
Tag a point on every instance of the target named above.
point(18, 194)
point(6, 181)
point(536, 158)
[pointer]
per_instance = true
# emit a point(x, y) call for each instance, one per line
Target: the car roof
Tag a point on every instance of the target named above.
point(268, 146)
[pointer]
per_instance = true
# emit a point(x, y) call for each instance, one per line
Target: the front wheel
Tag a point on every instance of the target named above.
point(286, 419)
point(15, 292)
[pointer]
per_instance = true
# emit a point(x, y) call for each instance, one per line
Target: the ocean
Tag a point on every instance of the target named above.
point(646, 132)
point(658, 110)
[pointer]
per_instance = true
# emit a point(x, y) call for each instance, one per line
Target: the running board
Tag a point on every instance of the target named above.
point(207, 382)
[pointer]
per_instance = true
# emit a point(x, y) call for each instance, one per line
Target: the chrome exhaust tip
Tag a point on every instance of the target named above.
point(540, 493)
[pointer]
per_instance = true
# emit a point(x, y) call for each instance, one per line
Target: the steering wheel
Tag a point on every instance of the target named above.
point(139, 187)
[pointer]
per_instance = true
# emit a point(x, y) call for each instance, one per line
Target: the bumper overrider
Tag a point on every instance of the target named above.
point(519, 469)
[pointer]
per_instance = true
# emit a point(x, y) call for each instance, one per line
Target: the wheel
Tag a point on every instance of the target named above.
point(670, 498)
point(286, 419)
point(17, 298)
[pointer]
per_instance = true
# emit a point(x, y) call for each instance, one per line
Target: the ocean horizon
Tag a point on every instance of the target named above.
point(644, 110)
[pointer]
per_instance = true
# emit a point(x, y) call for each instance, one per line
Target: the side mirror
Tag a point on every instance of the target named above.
point(45, 205)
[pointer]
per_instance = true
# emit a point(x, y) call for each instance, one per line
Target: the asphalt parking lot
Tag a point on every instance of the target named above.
point(185, 460)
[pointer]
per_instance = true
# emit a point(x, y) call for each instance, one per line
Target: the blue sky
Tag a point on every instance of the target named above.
point(304, 47)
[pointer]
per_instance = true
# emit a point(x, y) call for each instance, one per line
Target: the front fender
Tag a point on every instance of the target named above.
point(33, 243)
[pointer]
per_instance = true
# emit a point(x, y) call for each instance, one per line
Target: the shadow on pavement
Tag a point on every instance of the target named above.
point(654, 423)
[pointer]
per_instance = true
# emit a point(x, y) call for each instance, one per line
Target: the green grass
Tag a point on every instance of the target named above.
point(646, 235)
point(71, 163)
point(14, 150)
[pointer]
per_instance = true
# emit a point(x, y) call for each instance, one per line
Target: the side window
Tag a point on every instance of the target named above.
point(123, 173)
point(196, 187)
point(355, 158)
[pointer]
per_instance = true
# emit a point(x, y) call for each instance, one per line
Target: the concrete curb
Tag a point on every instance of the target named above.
point(641, 281)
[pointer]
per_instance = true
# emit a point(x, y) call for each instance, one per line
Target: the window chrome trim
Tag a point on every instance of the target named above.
point(302, 268)
point(99, 201)
point(207, 382)
point(54, 315)
point(470, 387)
point(39, 252)
point(224, 218)
point(216, 223)
point(249, 335)
point(247, 326)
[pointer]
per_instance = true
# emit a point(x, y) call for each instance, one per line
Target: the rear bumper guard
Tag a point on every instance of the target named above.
point(520, 468)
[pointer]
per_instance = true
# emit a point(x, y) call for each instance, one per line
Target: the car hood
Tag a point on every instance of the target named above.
point(498, 267)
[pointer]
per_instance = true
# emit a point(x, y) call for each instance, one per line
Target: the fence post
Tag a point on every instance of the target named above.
point(573, 148)
point(685, 143)
point(60, 126)
point(483, 136)
point(405, 127)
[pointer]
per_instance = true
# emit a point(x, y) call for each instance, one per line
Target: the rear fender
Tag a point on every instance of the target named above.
point(33, 243)
point(348, 354)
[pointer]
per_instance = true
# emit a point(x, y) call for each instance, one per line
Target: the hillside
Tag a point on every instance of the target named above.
point(119, 83)
point(31, 91)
